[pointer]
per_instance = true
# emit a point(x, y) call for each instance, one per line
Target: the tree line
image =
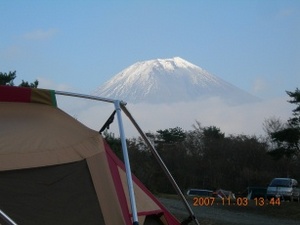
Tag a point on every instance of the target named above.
point(205, 158)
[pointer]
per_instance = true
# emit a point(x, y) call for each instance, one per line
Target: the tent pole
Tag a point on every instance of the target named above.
point(127, 164)
point(91, 97)
point(6, 218)
point(162, 164)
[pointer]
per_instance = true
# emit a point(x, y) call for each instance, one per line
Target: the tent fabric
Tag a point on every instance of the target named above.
point(50, 195)
point(23, 94)
point(35, 135)
point(107, 196)
point(147, 204)
point(55, 170)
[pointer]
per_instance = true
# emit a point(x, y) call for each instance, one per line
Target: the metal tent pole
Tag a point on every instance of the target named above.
point(6, 218)
point(162, 164)
point(91, 97)
point(127, 164)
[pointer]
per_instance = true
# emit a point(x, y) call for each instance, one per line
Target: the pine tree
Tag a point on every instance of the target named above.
point(288, 139)
point(7, 79)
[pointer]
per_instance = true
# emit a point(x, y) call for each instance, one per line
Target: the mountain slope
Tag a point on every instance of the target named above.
point(169, 81)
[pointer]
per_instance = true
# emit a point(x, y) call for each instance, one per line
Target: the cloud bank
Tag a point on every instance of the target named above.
point(244, 119)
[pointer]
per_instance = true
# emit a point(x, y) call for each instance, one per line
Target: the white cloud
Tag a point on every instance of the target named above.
point(244, 119)
point(40, 34)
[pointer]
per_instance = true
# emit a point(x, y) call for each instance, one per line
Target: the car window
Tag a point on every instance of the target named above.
point(280, 183)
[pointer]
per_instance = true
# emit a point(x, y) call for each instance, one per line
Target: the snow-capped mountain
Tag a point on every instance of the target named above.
point(169, 81)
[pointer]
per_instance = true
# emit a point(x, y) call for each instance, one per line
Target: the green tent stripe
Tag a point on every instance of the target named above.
point(53, 98)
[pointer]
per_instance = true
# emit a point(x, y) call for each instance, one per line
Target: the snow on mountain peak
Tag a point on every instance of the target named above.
point(169, 64)
point(168, 81)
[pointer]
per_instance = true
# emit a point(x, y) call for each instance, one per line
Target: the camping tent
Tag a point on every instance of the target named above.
point(55, 170)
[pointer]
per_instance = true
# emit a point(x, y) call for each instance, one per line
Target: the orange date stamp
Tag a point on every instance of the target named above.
point(240, 201)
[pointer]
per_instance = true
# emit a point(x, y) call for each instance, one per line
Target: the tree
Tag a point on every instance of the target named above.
point(295, 121)
point(31, 85)
point(287, 140)
point(213, 133)
point(8, 79)
point(271, 125)
point(171, 135)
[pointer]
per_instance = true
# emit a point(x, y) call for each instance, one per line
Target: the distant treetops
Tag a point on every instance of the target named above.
point(287, 139)
point(8, 79)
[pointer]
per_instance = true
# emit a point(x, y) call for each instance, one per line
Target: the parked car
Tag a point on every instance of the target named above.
point(284, 188)
point(199, 192)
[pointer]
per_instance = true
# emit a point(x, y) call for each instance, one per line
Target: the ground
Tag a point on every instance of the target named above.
point(251, 214)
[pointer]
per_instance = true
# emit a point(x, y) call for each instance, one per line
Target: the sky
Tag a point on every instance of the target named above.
point(78, 45)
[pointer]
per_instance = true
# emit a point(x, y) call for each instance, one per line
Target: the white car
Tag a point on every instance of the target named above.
point(284, 188)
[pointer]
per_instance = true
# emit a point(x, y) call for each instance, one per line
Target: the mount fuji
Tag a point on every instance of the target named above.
point(170, 81)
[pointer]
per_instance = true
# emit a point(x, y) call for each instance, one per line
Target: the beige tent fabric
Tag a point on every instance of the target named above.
point(108, 197)
point(34, 135)
point(106, 192)
point(144, 202)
